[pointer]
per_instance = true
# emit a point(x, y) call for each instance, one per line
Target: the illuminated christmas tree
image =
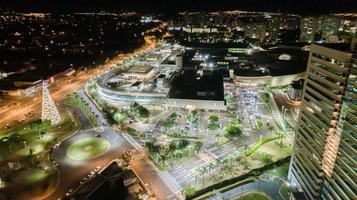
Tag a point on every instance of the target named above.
point(49, 109)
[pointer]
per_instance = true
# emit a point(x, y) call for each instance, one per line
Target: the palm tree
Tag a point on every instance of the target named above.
point(211, 165)
point(198, 146)
point(271, 128)
point(281, 139)
point(201, 172)
point(31, 155)
point(244, 162)
point(218, 136)
point(172, 146)
point(178, 153)
point(195, 171)
point(163, 158)
point(190, 148)
point(12, 138)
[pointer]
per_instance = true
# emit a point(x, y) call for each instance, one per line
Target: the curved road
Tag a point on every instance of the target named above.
point(73, 171)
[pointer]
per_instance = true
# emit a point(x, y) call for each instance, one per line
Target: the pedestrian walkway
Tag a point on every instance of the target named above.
point(137, 156)
point(278, 118)
point(133, 142)
point(170, 182)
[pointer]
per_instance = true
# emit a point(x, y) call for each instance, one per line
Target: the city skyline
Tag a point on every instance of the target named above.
point(178, 100)
point(161, 6)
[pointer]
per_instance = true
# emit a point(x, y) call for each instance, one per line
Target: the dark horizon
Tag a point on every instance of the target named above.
point(304, 7)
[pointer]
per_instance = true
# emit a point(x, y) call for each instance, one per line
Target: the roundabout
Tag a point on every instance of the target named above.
point(87, 148)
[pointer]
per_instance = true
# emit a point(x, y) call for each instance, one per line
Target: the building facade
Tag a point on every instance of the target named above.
point(324, 160)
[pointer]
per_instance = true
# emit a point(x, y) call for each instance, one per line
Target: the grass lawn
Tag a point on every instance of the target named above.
point(87, 148)
point(285, 190)
point(253, 196)
point(265, 97)
point(36, 136)
point(27, 146)
point(281, 171)
point(259, 123)
point(226, 188)
point(34, 175)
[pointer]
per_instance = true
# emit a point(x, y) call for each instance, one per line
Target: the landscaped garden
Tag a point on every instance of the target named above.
point(166, 152)
point(118, 115)
point(230, 101)
point(24, 152)
point(280, 171)
point(213, 122)
point(259, 123)
point(75, 99)
point(253, 196)
point(171, 121)
point(88, 148)
point(140, 112)
point(193, 118)
point(238, 163)
point(265, 97)
point(233, 129)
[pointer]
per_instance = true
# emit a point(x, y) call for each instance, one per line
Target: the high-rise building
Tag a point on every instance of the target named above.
point(255, 30)
point(329, 26)
point(324, 159)
point(308, 28)
point(273, 27)
point(323, 27)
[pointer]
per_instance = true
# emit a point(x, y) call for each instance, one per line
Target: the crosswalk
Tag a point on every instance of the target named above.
point(137, 156)
point(132, 141)
point(170, 182)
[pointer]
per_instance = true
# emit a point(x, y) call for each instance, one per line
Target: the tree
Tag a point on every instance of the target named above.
point(120, 116)
point(265, 157)
point(172, 146)
point(171, 120)
point(163, 158)
point(229, 100)
point(211, 166)
point(12, 139)
point(198, 145)
point(152, 147)
point(177, 153)
point(183, 143)
point(173, 116)
point(193, 117)
point(189, 191)
point(244, 162)
point(233, 129)
point(31, 155)
point(271, 128)
point(139, 111)
point(213, 122)
point(195, 171)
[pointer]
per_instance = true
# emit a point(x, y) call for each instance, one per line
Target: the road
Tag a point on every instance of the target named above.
point(73, 171)
point(119, 142)
point(61, 88)
point(182, 173)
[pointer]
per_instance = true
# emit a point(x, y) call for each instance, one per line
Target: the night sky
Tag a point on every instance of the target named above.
point(171, 6)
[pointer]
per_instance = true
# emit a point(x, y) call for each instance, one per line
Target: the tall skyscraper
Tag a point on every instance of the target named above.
point(308, 28)
point(324, 160)
point(318, 27)
point(49, 109)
